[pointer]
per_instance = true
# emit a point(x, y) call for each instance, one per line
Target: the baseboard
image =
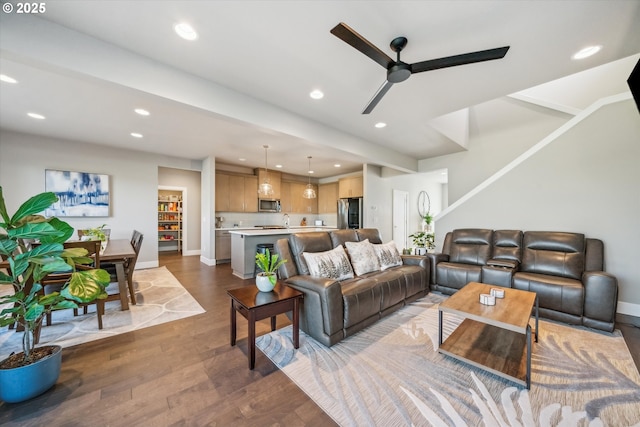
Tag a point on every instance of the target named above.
point(207, 261)
point(146, 264)
point(628, 309)
point(192, 252)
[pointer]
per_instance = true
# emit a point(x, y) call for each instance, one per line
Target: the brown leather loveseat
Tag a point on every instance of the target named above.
point(566, 270)
point(335, 309)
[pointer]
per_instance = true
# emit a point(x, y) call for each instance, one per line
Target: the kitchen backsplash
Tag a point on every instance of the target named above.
point(240, 219)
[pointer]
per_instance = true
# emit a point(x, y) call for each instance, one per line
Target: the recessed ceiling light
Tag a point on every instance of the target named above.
point(279, 166)
point(36, 116)
point(142, 111)
point(587, 52)
point(380, 125)
point(242, 159)
point(185, 31)
point(316, 94)
point(136, 135)
point(337, 165)
point(310, 171)
point(7, 79)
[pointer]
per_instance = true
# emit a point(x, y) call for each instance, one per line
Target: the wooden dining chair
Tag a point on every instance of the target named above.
point(129, 265)
point(55, 281)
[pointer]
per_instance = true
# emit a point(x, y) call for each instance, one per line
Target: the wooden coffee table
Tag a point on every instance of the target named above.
point(496, 338)
point(255, 305)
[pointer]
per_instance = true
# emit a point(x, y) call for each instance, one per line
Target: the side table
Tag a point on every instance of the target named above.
point(255, 305)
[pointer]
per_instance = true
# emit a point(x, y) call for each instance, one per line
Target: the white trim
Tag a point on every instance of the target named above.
point(191, 252)
point(629, 308)
point(531, 151)
point(546, 104)
point(207, 261)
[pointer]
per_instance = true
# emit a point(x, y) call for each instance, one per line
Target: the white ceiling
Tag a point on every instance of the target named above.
point(245, 82)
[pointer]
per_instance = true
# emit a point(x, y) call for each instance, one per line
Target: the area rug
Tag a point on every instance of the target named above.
point(160, 298)
point(391, 374)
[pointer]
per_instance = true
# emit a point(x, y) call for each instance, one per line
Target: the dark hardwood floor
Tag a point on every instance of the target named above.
point(181, 373)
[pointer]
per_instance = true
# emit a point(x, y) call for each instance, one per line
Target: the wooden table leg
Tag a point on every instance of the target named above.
point(296, 323)
point(251, 343)
point(273, 323)
point(122, 284)
point(233, 324)
point(132, 291)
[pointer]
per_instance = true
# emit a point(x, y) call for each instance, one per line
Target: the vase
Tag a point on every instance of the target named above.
point(26, 382)
point(266, 282)
point(421, 251)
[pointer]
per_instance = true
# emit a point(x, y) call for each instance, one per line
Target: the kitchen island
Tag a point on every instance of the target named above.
point(244, 242)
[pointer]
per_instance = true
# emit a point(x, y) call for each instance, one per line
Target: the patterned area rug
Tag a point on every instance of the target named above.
point(160, 298)
point(391, 374)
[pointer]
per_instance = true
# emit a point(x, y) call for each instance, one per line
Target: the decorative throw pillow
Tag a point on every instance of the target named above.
point(333, 264)
point(388, 255)
point(363, 257)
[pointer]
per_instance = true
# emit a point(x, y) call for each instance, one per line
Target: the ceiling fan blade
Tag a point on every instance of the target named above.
point(465, 58)
point(377, 97)
point(349, 36)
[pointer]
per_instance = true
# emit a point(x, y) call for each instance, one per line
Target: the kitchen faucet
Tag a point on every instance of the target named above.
point(285, 220)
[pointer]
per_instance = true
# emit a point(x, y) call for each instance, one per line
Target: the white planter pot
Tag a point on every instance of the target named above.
point(264, 282)
point(421, 251)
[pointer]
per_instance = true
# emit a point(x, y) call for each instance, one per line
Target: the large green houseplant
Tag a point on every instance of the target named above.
point(24, 267)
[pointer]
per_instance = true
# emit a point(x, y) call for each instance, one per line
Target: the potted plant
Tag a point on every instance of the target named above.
point(427, 219)
point(423, 241)
point(266, 279)
point(97, 233)
point(35, 370)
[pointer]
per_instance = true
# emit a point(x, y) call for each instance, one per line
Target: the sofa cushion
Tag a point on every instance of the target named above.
point(333, 264)
point(363, 257)
point(371, 234)
point(315, 241)
point(339, 237)
point(454, 275)
point(555, 293)
point(388, 255)
point(554, 253)
point(362, 297)
point(507, 245)
point(471, 246)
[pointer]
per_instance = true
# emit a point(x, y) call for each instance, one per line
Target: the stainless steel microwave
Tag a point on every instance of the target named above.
point(268, 205)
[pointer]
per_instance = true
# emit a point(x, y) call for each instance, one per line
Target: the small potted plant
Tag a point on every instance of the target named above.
point(35, 370)
point(427, 219)
point(423, 241)
point(97, 233)
point(268, 263)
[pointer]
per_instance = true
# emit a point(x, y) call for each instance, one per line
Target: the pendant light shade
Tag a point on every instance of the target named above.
point(265, 189)
point(309, 192)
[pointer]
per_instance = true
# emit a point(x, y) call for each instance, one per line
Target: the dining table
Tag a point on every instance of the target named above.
point(120, 252)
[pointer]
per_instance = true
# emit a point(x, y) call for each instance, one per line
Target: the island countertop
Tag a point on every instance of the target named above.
point(244, 243)
point(276, 231)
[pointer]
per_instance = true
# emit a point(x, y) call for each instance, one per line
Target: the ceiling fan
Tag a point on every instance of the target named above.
point(398, 71)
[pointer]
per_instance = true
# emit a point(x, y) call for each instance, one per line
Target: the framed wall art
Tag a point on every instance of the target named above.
point(80, 193)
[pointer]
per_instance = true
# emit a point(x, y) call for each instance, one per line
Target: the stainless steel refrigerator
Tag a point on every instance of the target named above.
point(350, 213)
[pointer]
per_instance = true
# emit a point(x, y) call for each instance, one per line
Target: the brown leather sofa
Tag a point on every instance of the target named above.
point(332, 309)
point(566, 270)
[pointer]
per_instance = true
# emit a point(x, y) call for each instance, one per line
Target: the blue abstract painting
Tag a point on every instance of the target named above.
point(79, 193)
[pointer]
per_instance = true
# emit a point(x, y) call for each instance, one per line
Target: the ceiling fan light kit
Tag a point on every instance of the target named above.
point(398, 71)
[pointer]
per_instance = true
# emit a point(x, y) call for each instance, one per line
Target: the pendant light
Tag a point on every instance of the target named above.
point(265, 189)
point(309, 192)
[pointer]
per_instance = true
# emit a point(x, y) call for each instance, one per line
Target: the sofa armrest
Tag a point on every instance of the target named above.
point(504, 263)
point(434, 260)
point(600, 300)
point(420, 261)
point(323, 311)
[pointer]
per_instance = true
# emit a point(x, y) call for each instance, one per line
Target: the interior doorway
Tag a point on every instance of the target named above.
point(172, 219)
point(400, 218)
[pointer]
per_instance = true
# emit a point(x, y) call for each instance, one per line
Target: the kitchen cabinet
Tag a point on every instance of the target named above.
point(350, 187)
point(275, 178)
point(236, 193)
point(291, 200)
point(328, 198)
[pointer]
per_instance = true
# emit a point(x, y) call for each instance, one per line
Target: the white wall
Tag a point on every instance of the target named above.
point(133, 181)
point(585, 181)
point(379, 184)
